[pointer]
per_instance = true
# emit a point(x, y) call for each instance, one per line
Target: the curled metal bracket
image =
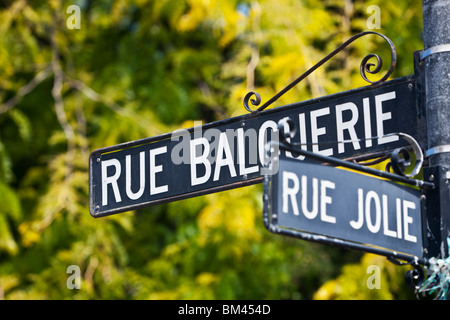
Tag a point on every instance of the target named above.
point(286, 130)
point(254, 102)
point(364, 67)
point(414, 278)
point(400, 157)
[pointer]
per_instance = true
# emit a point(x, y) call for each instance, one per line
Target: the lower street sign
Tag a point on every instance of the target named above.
point(331, 205)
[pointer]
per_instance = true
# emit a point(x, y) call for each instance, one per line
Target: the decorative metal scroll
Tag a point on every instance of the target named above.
point(400, 158)
point(415, 277)
point(364, 67)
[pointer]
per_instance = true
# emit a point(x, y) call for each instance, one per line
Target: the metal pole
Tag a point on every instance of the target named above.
point(436, 62)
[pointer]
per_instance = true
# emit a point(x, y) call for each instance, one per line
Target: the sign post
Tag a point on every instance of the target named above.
point(435, 63)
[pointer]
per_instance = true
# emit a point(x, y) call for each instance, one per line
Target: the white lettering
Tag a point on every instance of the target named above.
point(262, 137)
point(347, 125)
point(373, 227)
point(302, 132)
point(358, 224)
point(222, 148)
point(398, 203)
point(407, 220)
point(373, 210)
point(154, 170)
point(367, 122)
point(381, 117)
point(325, 199)
point(180, 152)
point(289, 154)
point(291, 188)
point(130, 193)
point(241, 151)
point(202, 159)
point(386, 230)
point(316, 131)
point(315, 198)
point(290, 192)
point(110, 180)
point(212, 135)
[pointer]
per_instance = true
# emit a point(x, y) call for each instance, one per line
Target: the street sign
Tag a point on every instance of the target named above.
point(335, 206)
point(228, 153)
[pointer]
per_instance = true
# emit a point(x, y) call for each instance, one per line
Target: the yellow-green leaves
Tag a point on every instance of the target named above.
point(140, 68)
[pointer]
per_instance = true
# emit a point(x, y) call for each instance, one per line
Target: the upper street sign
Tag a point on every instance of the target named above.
point(229, 153)
point(331, 205)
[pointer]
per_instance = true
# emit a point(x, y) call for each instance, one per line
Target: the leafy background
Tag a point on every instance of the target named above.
point(138, 68)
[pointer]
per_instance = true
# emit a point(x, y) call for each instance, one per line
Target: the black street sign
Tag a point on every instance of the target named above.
point(345, 208)
point(228, 153)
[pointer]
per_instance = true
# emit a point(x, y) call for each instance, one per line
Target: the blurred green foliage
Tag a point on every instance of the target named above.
point(138, 68)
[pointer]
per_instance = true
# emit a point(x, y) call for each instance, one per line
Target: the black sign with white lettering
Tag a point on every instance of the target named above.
point(229, 153)
point(345, 205)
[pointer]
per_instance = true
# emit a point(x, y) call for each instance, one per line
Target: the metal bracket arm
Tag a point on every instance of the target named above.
point(365, 66)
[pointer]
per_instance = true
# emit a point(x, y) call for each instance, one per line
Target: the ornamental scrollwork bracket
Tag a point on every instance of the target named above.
point(365, 67)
